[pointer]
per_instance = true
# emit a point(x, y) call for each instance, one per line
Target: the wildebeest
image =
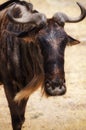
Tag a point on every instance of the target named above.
point(31, 54)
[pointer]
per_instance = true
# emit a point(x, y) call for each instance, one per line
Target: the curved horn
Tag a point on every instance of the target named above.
point(7, 3)
point(61, 18)
point(26, 16)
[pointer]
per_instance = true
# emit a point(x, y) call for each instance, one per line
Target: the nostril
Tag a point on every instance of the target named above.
point(48, 82)
point(58, 85)
point(53, 84)
point(54, 88)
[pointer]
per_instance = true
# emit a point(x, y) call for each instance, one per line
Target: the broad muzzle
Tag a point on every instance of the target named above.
point(55, 88)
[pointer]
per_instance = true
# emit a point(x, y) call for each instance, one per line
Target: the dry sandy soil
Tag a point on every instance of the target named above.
point(58, 113)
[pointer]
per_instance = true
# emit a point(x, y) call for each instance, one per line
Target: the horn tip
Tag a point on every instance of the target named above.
point(78, 3)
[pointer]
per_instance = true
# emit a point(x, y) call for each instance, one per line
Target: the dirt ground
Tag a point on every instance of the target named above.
point(66, 112)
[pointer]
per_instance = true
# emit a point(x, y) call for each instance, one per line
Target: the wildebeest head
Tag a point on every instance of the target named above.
point(52, 40)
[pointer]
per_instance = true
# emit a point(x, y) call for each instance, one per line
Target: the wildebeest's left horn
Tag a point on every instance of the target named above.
point(7, 3)
point(61, 18)
point(26, 16)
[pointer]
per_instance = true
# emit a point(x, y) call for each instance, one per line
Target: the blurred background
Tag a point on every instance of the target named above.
point(69, 111)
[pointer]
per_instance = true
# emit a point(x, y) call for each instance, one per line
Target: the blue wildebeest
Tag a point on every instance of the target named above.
point(31, 54)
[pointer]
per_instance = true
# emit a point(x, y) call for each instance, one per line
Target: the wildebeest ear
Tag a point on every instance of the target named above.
point(72, 41)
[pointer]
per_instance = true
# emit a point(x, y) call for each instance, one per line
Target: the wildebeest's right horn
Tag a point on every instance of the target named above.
point(26, 16)
point(61, 18)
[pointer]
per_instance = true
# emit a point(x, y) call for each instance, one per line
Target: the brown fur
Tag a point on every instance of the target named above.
point(31, 61)
point(36, 82)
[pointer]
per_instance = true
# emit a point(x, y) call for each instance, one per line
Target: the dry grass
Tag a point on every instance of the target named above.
point(58, 113)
